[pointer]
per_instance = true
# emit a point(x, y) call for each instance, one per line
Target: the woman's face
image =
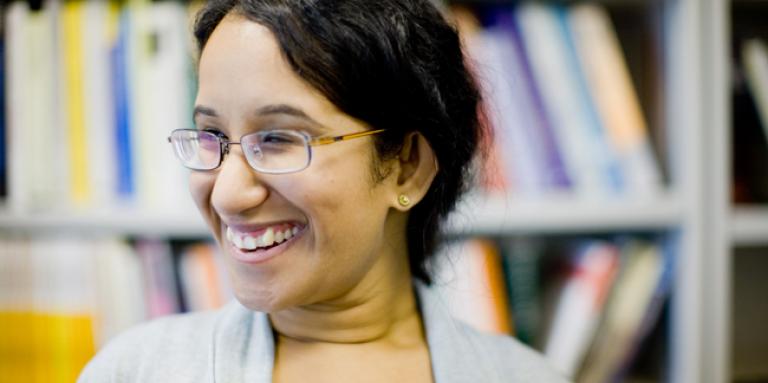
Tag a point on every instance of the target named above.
point(336, 219)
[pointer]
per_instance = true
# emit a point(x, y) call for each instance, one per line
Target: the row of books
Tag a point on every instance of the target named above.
point(587, 304)
point(560, 97)
point(61, 298)
point(93, 88)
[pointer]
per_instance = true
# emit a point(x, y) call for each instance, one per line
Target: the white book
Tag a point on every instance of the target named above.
point(631, 297)
point(64, 275)
point(160, 102)
point(98, 35)
point(510, 116)
point(755, 56)
point(611, 87)
point(16, 16)
point(170, 73)
point(580, 306)
point(557, 76)
point(60, 170)
point(120, 294)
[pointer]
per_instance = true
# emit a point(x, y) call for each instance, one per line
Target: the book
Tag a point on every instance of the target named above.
point(634, 305)
point(15, 17)
point(160, 284)
point(655, 307)
point(200, 279)
point(470, 280)
point(61, 325)
point(558, 77)
point(493, 170)
point(99, 34)
point(749, 140)
point(3, 156)
point(540, 133)
point(521, 258)
point(120, 285)
point(166, 101)
point(579, 307)
point(754, 54)
point(609, 83)
point(72, 24)
point(119, 69)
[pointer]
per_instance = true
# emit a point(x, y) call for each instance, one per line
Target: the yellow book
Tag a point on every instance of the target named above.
point(72, 22)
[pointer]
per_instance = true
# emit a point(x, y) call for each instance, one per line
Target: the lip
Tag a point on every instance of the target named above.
point(261, 256)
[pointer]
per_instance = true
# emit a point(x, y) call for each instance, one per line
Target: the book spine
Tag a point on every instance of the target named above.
point(72, 30)
point(521, 259)
point(755, 56)
point(597, 49)
point(557, 176)
point(125, 188)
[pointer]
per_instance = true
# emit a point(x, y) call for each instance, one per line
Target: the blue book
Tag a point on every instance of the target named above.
point(118, 56)
point(543, 135)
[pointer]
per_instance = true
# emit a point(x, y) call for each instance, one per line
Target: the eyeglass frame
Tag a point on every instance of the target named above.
point(310, 141)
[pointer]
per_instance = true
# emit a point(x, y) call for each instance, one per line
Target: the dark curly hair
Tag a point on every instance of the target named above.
point(394, 64)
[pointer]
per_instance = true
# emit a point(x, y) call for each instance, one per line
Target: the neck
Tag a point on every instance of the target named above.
point(381, 307)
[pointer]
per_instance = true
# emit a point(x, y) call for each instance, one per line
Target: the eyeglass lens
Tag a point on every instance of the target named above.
point(278, 151)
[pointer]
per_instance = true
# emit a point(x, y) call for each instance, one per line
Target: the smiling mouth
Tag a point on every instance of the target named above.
point(273, 236)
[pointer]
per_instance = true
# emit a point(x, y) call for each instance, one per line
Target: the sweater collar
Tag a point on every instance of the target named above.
point(244, 345)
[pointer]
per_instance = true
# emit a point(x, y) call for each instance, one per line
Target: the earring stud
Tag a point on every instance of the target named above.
point(404, 200)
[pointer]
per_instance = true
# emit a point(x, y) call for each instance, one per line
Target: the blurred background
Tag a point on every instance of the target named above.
point(619, 224)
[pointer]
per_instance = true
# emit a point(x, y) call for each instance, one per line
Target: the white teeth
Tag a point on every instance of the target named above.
point(249, 243)
point(268, 238)
point(238, 241)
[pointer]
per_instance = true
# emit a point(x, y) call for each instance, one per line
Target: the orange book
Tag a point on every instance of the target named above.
point(471, 281)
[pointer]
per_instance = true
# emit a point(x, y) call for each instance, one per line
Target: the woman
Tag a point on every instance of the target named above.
point(332, 138)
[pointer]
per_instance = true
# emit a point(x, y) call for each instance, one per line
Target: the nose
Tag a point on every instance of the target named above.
point(238, 188)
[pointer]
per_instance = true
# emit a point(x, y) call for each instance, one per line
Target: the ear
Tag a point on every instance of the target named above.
point(417, 168)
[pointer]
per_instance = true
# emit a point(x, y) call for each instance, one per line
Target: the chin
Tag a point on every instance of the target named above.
point(262, 302)
point(266, 296)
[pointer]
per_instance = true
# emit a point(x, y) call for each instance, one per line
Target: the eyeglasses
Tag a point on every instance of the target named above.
point(270, 151)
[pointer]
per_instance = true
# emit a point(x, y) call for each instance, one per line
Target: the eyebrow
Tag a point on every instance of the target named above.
point(204, 110)
point(262, 111)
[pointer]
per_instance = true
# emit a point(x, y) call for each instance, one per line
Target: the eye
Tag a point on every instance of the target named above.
point(210, 140)
point(280, 138)
point(214, 131)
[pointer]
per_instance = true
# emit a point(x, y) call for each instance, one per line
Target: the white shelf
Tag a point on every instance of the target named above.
point(749, 225)
point(489, 216)
point(475, 216)
point(108, 222)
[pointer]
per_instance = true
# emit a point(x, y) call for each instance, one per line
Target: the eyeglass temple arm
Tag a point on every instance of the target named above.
point(330, 140)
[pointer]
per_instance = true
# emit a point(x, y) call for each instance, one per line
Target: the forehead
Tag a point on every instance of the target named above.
point(242, 69)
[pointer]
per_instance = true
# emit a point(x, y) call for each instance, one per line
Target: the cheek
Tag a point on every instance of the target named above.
point(201, 187)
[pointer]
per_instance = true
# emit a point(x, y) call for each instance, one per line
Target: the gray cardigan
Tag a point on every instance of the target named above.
point(235, 344)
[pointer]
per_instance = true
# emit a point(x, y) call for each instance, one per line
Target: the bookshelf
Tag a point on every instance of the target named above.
point(685, 92)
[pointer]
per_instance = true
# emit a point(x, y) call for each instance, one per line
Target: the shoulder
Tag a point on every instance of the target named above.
point(511, 359)
point(169, 349)
point(462, 354)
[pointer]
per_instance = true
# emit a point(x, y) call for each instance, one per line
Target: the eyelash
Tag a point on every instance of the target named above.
point(214, 131)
